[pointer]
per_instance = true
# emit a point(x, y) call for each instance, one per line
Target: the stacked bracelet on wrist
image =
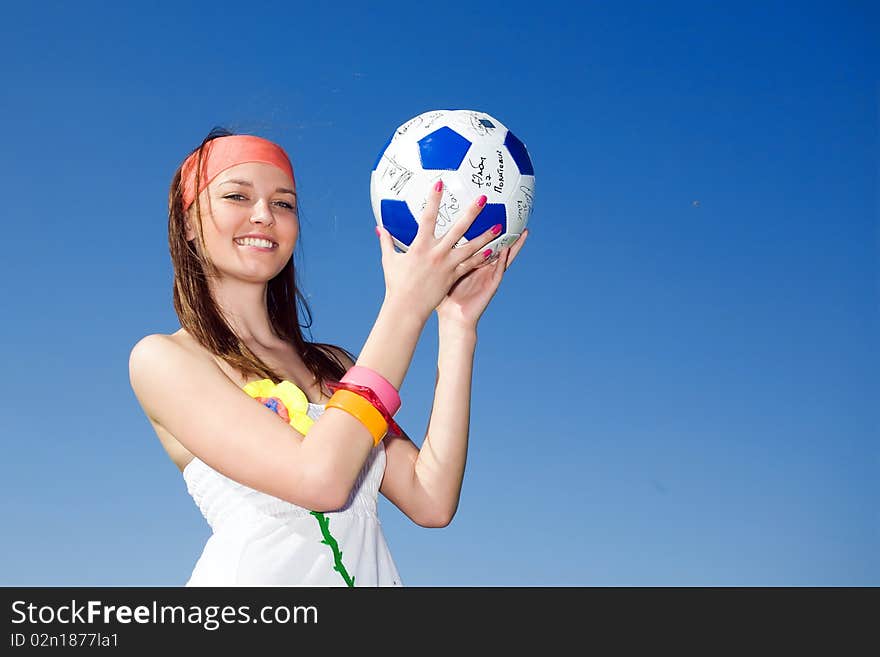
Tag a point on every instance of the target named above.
point(370, 398)
point(353, 404)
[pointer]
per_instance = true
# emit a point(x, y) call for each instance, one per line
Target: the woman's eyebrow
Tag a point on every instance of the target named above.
point(247, 183)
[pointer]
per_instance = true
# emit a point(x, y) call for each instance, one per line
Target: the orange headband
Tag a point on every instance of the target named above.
point(223, 152)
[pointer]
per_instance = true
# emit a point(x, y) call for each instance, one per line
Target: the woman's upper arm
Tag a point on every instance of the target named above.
point(219, 423)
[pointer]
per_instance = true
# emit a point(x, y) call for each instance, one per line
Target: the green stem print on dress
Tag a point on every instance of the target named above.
point(324, 522)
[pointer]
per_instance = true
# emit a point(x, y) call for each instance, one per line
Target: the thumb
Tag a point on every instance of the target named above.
point(385, 242)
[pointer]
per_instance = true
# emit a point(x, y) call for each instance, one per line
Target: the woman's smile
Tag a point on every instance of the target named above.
point(256, 244)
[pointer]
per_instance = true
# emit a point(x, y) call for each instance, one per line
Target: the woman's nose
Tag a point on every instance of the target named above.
point(262, 214)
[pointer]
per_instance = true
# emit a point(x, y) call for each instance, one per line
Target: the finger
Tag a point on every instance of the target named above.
point(477, 260)
point(459, 228)
point(428, 219)
point(500, 264)
point(514, 248)
point(517, 246)
point(477, 244)
point(385, 243)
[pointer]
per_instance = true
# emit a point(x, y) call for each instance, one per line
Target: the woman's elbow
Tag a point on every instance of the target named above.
point(320, 501)
point(319, 493)
point(436, 520)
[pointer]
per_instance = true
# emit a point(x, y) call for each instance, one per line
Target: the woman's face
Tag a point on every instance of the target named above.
point(253, 198)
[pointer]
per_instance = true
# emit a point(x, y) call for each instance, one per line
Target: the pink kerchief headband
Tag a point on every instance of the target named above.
point(223, 152)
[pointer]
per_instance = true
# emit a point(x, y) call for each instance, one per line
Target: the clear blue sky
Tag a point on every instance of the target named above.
point(677, 383)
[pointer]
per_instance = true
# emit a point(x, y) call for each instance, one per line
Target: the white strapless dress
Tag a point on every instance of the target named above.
point(261, 540)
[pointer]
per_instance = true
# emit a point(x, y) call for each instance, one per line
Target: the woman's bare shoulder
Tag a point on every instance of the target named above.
point(169, 346)
point(161, 353)
point(181, 338)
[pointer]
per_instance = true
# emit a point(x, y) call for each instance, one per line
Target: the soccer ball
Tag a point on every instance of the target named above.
point(474, 154)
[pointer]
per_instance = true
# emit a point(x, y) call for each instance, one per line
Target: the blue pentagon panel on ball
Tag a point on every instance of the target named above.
point(399, 221)
point(518, 151)
point(491, 214)
point(443, 149)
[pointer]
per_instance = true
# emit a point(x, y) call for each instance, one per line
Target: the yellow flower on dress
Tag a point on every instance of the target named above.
point(285, 399)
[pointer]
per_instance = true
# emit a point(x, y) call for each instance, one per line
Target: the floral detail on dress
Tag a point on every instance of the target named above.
point(285, 399)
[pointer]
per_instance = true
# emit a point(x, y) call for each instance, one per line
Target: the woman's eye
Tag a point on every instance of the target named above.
point(241, 197)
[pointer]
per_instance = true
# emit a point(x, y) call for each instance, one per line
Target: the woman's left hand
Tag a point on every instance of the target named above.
point(470, 295)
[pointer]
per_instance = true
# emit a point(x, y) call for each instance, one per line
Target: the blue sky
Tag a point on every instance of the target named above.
point(676, 383)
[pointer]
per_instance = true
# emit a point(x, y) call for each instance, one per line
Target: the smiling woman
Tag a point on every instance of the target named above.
point(233, 393)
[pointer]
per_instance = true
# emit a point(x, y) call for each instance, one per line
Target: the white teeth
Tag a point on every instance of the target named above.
point(253, 241)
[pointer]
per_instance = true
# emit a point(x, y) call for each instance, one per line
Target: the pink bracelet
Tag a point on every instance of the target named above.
point(364, 376)
point(370, 396)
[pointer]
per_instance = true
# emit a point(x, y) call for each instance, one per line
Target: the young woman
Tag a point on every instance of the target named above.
point(293, 502)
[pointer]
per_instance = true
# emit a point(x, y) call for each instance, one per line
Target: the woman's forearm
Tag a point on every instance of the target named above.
point(338, 444)
point(390, 346)
point(441, 461)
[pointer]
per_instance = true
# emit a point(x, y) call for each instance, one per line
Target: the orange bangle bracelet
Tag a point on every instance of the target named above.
point(353, 404)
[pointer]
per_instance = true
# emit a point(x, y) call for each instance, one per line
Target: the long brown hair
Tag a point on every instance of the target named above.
point(200, 315)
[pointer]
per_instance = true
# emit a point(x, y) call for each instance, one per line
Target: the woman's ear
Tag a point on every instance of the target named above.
point(189, 234)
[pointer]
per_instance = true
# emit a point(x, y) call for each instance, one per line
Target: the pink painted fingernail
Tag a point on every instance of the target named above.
point(439, 186)
point(377, 232)
point(487, 253)
point(481, 201)
point(496, 229)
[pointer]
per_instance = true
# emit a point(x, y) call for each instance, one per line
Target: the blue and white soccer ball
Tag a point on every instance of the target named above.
point(474, 154)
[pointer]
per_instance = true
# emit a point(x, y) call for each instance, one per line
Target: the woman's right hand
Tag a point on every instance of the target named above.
point(420, 278)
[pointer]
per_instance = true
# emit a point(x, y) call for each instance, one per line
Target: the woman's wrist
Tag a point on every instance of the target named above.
point(405, 311)
point(455, 328)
